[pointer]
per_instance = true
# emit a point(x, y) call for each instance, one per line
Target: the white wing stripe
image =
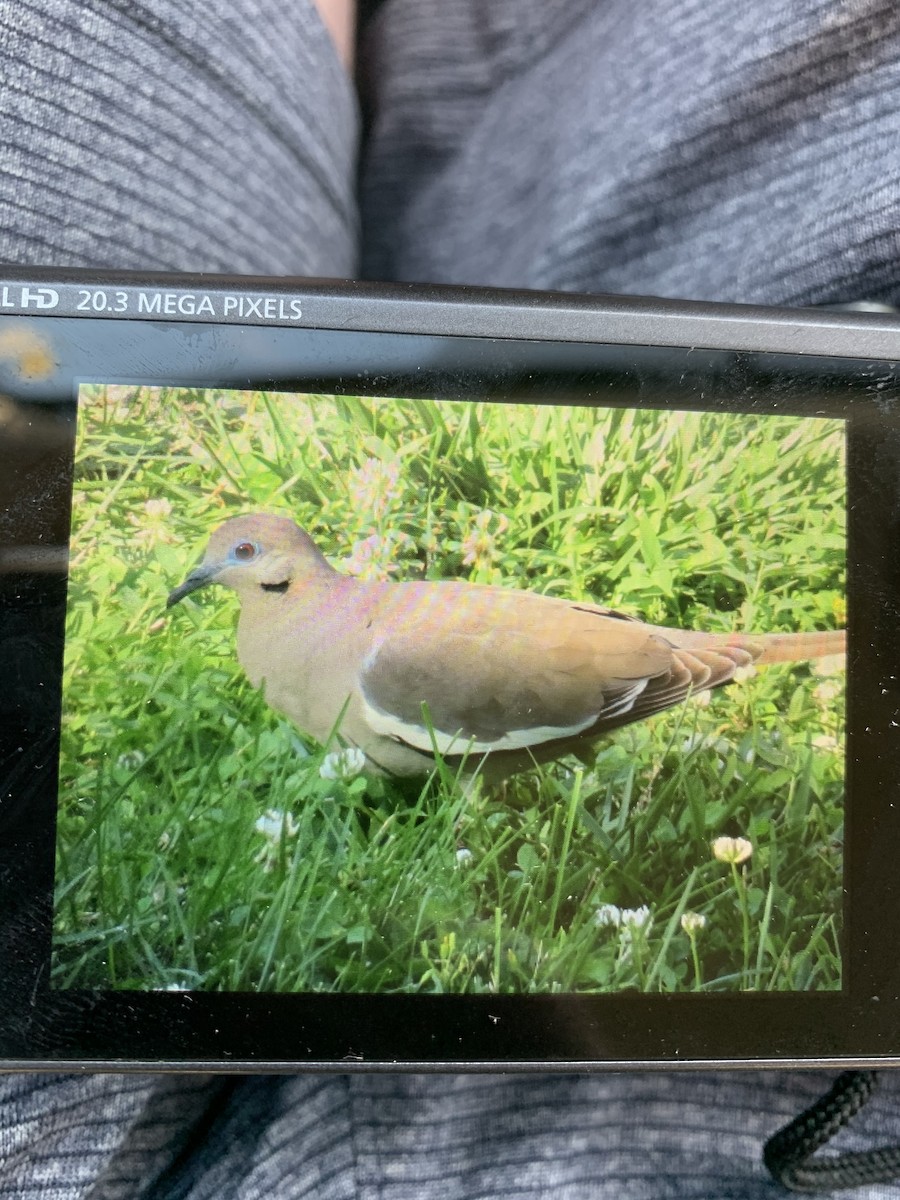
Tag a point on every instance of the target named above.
point(625, 702)
point(418, 736)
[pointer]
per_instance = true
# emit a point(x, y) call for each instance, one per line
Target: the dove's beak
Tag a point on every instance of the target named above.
point(198, 578)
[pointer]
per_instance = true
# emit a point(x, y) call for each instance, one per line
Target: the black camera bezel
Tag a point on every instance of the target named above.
point(443, 343)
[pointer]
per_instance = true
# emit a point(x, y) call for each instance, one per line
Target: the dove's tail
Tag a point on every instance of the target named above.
point(765, 647)
point(798, 647)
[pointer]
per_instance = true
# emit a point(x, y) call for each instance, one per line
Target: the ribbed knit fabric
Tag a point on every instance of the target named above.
point(725, 149)
point(162, 135)
point(637, 1136)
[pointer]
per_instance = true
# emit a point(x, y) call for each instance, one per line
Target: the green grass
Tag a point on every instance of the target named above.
point(170, 759)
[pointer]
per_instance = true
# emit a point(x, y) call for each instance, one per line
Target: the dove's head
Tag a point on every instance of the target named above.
point(255, 552)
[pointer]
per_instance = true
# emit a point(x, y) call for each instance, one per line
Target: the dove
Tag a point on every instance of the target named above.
point(491, 678)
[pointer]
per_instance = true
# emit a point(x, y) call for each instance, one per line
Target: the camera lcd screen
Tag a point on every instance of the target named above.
point(444, 680)
point(206, 841)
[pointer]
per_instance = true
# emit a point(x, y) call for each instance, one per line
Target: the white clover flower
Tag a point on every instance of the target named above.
point(158, 509)
point(637, 918)
point(131, 760)
point(464, 857)
point(479, 544)
point(692, 922)
point(152, 528)
point(608, 916)
point(275, 824)
point(343, 764)
point(731, 850)
point(375, 487)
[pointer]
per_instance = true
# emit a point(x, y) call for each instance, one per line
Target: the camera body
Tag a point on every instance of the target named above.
point(526, 696)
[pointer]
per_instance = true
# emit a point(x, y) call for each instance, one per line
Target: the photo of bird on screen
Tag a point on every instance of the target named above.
point(385, 695)
point(490, 678)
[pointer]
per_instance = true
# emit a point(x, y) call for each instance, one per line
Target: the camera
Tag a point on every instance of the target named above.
point(444, 678)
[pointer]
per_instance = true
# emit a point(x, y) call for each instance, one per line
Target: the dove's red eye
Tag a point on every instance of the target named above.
point(244, 551)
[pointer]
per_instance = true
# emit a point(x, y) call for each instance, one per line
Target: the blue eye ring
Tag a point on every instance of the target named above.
point(245, 552)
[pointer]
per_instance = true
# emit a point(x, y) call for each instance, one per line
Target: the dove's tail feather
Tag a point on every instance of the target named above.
point(766, 647)
point(799, 647)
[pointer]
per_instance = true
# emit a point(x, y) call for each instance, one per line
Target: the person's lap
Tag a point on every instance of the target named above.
point(681, 149)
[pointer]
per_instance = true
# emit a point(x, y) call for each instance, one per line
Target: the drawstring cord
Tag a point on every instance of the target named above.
point(788, 1154)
